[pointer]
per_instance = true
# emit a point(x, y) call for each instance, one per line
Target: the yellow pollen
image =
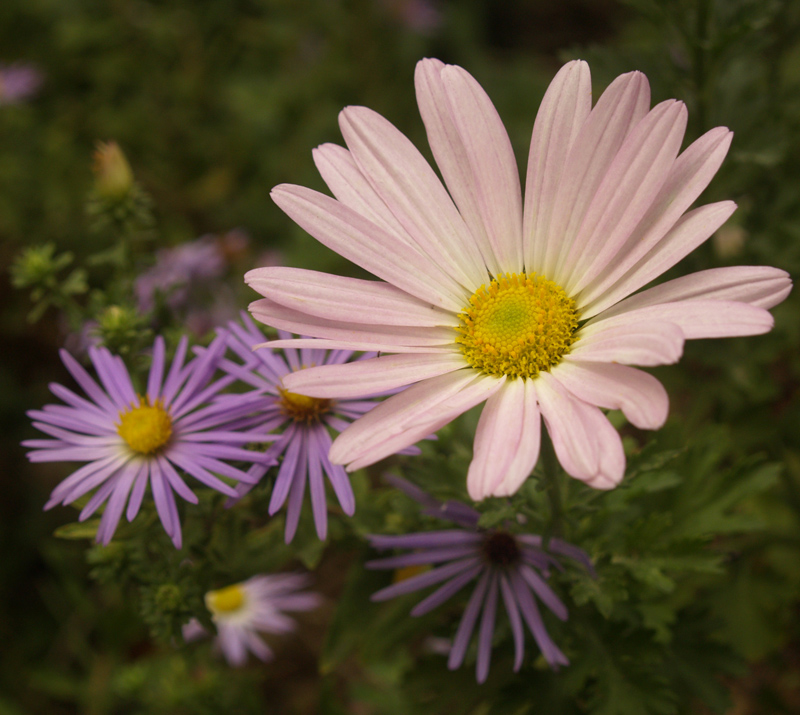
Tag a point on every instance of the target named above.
point(145, 427)
point(226, 600)
point(301, 408)
point(519, 326)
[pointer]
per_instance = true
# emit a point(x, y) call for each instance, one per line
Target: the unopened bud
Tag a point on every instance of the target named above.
point(113, 175)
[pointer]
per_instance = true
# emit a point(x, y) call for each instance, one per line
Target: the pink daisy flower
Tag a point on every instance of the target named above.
point(522, 302)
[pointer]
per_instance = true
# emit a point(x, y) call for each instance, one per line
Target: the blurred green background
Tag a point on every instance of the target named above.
point(216, 101)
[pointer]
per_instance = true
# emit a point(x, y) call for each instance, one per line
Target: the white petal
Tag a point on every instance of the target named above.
point(563, 110)
point(345, 180)
point(451, 154)
point(368, 377)
point(413, 193)
point(626, 193)
point(641, 397)
point(635, 342)
point(506, 441)
point(761, 286)
point(618, 110)
point(385, 337)
point(364, 342)
point(425, 403)
point(586, 444)
point(492, 162)
point(689, 232)
point(366, 244)
point(689, 176)
point(345, 299)
point(696, 318)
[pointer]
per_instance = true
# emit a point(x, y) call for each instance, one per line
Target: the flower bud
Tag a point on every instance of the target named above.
point(113, 175)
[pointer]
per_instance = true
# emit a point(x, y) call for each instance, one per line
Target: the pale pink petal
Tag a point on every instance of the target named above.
point(356, 344)
point(366, 244)
point(345, 180)
point(695, 318)
point(586, 444)
point(506, 441)
point(494, 167)
point(619, 109)
point(410, 188)
point(280, 316)
point(429, 402)
point(368, 377)
point(693, 229)
point(451, 154)
point(564, 109)
point(761, 286)
point(637, 342)
point(402, 440)
point(626, 193)
point(688, 177)
point(345, 299)
point(642, 398)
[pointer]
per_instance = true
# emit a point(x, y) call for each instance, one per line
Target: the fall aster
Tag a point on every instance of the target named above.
point(524, 303)
point(306, 422)
point(129, 440)
point(243, 610)
point(505, 565)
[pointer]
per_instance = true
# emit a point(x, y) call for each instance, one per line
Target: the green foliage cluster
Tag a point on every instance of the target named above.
point(694, 606)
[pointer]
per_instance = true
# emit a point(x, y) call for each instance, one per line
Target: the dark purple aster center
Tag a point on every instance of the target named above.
point(500, 548)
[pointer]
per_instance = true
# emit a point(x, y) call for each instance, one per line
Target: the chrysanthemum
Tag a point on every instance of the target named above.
point(521, 303)
point(305, 422)
point(512, 566)
point(244, 609)
point(128, 440)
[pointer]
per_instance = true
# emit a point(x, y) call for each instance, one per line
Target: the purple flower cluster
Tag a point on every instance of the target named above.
point(18, 82)
point(506, 565)
point(182, 423)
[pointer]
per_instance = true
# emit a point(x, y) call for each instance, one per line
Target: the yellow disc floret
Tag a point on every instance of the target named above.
point(225, 601)
point(518, 325)
point(301, 408)
point(145, 427)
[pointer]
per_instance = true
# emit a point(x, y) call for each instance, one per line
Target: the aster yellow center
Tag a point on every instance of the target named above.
point(301, 408)
point(225, 601)
point(145, 427)
point(518, 325)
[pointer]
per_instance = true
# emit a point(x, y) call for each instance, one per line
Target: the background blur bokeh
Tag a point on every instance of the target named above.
point(216, 101)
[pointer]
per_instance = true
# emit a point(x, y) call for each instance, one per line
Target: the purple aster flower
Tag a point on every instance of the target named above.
point(306, 421)
point(244, 609)
point(513, 567)
point(178, 270)
point(18, 82)
point(128, 440)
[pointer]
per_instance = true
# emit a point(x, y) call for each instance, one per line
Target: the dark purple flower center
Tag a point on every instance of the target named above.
point(301, 408)
point(500, 548)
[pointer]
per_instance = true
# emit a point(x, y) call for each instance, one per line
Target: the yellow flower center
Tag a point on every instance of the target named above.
point(145, 428)
point(518, 326)
point(225, 601)
point(302, 408)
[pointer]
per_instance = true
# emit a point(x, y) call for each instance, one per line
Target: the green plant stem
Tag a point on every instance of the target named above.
point(552, 477)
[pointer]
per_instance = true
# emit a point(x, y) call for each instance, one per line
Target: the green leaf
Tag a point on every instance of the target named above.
point(78, 530)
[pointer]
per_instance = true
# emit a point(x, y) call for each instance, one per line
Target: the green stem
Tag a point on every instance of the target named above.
point(552, 477)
